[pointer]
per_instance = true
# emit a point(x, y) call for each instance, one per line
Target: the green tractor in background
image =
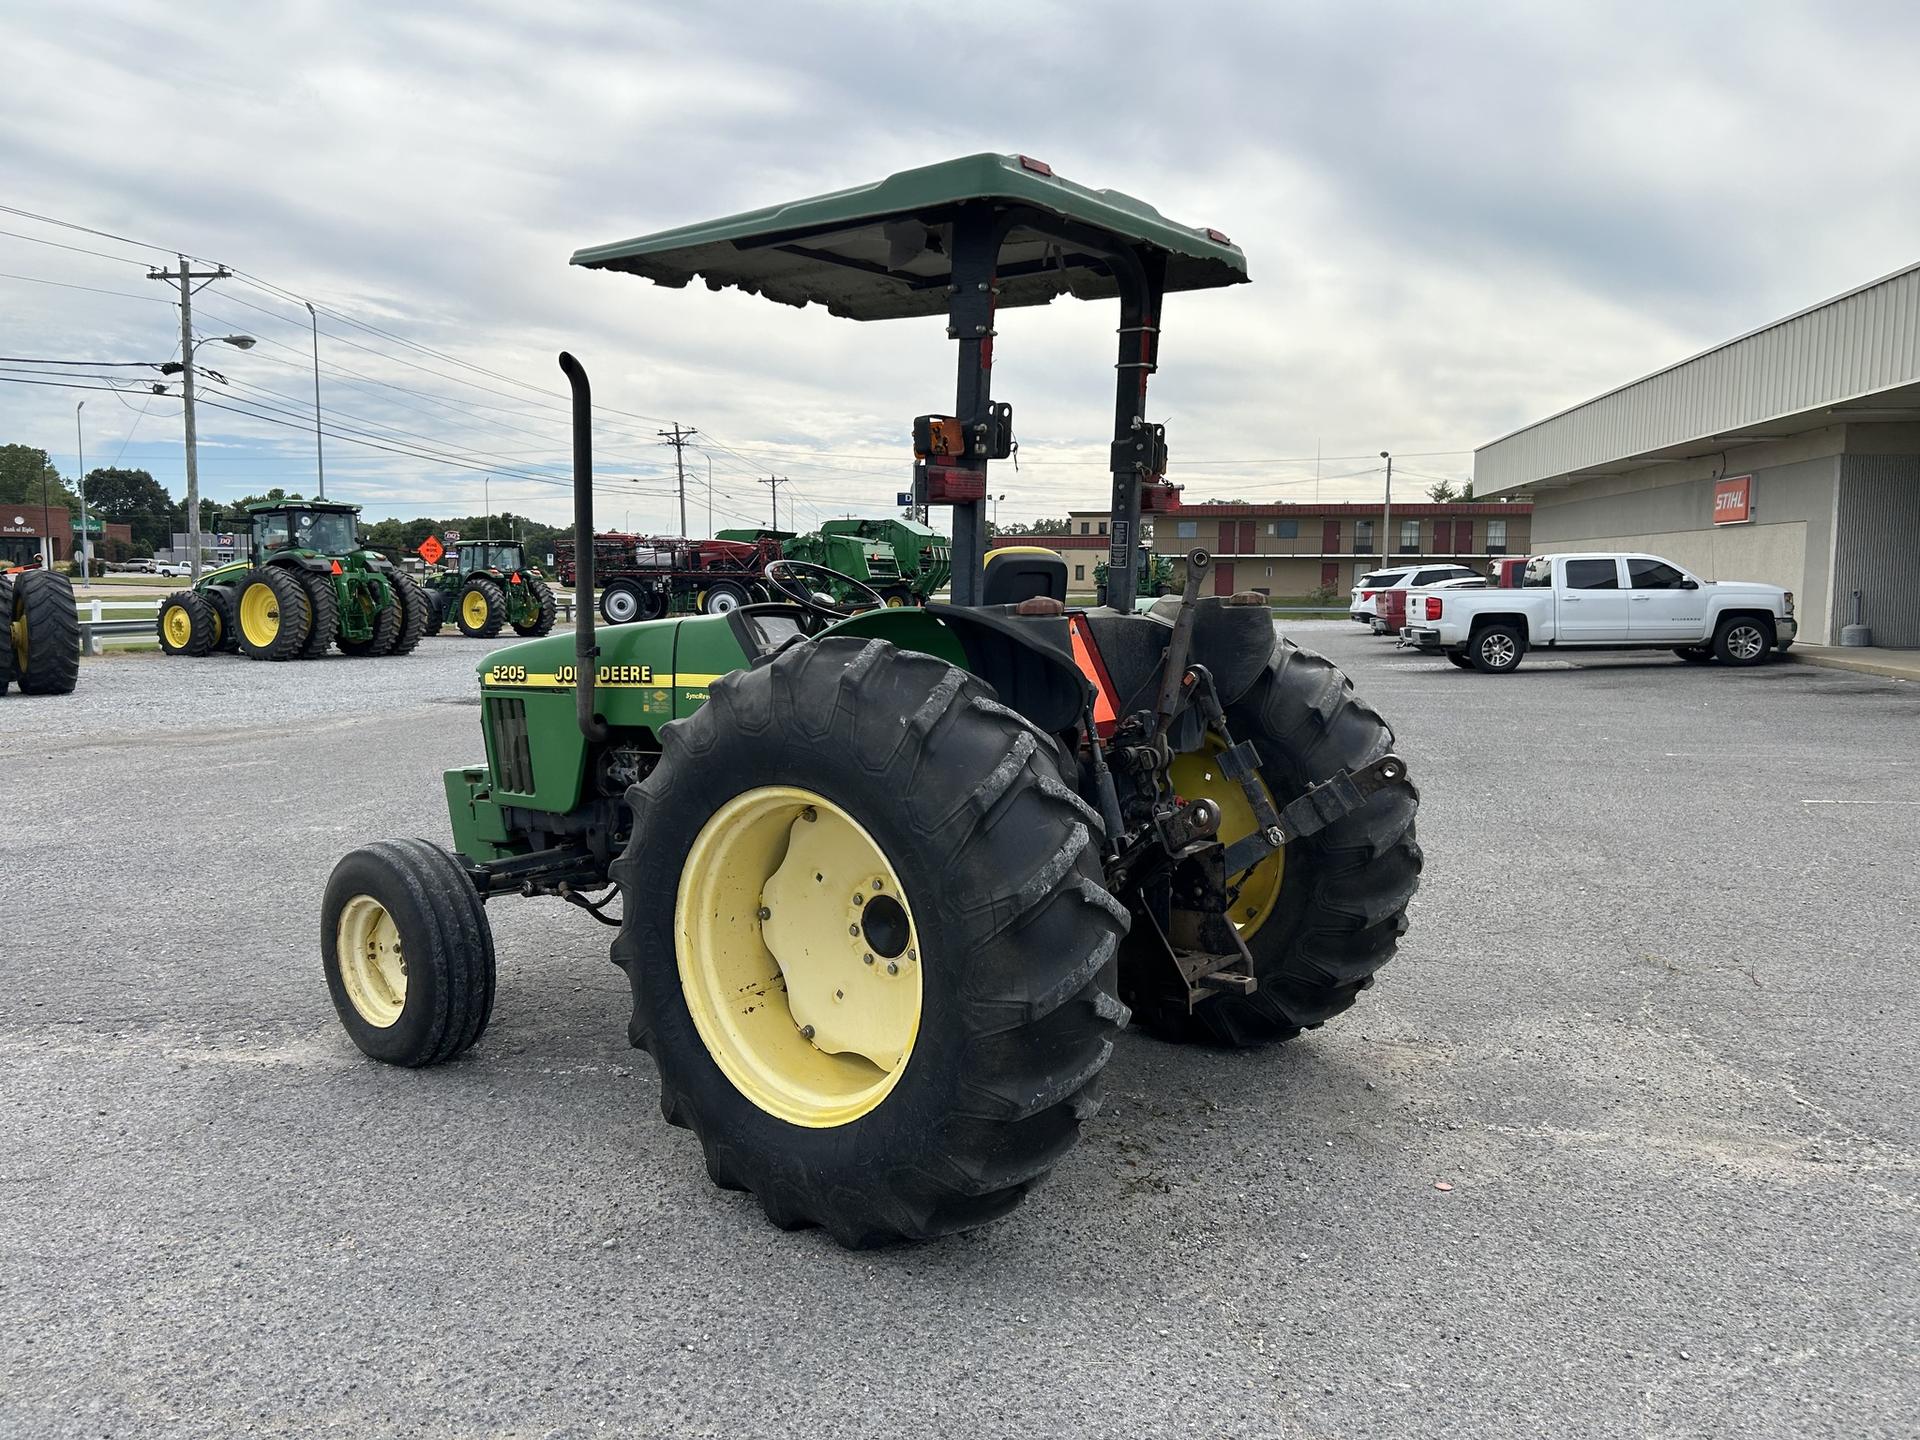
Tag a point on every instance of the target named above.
point(920, 555)
point(888, 882)
point(487, 586)
point(903, 560)
point(308, 584)
point(1155, 577)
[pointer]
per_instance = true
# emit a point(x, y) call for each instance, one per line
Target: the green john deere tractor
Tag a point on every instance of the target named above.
point(308, 584)
point(1153, 577)
point(920, 555)
point(39, 633)
point(487, 586)
point(890, 881)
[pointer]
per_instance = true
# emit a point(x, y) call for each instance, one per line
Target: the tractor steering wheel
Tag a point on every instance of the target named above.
point(785, 577)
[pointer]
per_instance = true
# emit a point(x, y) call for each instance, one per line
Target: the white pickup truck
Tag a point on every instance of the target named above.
point(1603, 602)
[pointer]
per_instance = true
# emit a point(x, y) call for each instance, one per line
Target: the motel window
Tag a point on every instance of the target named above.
point(1496, 537)
point(1362, 536)
point(1410, 537)
point(1186, 529)
point(1284, 529)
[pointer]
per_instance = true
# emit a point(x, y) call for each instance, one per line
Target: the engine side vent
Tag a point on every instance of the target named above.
point(508, 720)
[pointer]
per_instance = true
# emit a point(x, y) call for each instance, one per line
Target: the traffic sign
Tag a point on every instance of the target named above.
point(431, 550)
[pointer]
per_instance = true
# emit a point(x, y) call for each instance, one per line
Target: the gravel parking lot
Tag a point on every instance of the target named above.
point(1654, 1026)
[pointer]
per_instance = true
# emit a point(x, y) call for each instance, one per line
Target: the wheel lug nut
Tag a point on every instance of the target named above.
point(858, 898)
point(893, 967)
point(878, 886)
point(867, 958)
point(853, 929)
point(806, 1031)
point(809, 815)
point(765, 913)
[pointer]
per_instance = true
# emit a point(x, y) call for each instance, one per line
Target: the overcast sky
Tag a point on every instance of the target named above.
point(1459, 218)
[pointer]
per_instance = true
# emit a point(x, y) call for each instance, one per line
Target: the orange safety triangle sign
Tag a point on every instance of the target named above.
point(1086, 655)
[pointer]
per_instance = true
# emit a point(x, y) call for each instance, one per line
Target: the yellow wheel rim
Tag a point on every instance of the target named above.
point(19, 637)
point(260, 614)
point(1197, 776)
point(473, 609)
point(372, 966)
point(798, 956)
point(895, 602)
point(179, 626)
point(214, 620)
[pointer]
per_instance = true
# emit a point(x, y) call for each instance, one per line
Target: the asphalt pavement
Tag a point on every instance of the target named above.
point(1623, 1143)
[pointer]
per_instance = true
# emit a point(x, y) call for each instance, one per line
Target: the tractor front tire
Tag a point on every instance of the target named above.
point(387, 621)
point(414, 608)
point(545, 611)
point(45, 634)
point(226, 617)
point(862, 839)
point(407, 952)
point(723, 597)
point(323, 613)
point(1340, 906)
point(436, 610)
point(480, 609)
point(186, 624)
point(273, 608)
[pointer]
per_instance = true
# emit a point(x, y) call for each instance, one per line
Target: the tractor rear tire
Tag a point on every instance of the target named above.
point(436, 611)
point(545, 611)
point(323, 613)
point(476, 623)
point(407, 952)
point(414, 608)
point(6, 632)
point(226, 616)
point(1002, 926)
point(273, 614)
point(186, 624)
point(46, 634)
point(1342, 901)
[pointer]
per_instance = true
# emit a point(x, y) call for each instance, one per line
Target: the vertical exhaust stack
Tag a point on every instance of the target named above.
point(585, 652)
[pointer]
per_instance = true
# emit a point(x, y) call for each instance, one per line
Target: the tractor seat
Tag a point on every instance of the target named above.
point(1020, 572)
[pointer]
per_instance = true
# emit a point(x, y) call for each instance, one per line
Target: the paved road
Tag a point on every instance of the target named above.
point(1654, 1024)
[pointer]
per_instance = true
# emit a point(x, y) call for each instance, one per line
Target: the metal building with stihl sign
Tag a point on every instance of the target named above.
point(1790, 455)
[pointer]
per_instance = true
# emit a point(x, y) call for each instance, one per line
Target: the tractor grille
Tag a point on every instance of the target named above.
point(511, 755)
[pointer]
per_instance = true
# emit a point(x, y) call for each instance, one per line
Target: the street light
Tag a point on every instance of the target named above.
point(319, 451)
point(1386, 520)
point(86, 545)
point(993, 515)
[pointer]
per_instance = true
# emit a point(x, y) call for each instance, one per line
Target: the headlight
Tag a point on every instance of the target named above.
point(1789, 602)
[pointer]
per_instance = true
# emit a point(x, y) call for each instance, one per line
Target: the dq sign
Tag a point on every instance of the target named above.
point(1733, 500)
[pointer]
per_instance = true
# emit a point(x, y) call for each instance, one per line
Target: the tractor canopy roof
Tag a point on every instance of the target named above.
point(267, 507)
point(851, 526)
point(879, 251)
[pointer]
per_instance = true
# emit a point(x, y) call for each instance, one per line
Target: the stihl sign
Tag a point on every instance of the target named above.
point(1733, 500)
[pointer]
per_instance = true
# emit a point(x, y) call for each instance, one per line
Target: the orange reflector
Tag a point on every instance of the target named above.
point(1106, 711)
point(336, 567)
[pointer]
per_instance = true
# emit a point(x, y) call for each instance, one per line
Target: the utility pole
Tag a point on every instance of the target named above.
point(776, 481)
point(709, 497)
point(184, 278)
point(319, 450)
point(86, 545)
point(1386, 521)
point(486, 503)
point(678, 438)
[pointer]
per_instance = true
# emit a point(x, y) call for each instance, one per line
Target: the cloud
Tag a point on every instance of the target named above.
point(1458, 219)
